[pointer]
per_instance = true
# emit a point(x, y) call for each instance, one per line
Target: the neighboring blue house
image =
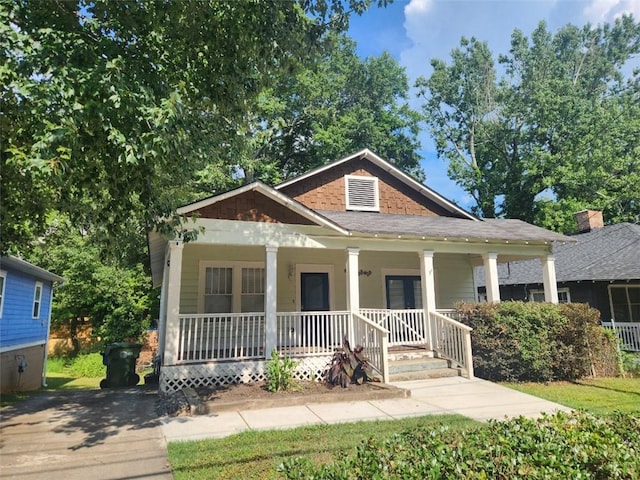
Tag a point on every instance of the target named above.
point(26, 292)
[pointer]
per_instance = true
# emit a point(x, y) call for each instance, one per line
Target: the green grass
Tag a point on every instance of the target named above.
point(256, 455)
point(55, 381)
point(597, 395)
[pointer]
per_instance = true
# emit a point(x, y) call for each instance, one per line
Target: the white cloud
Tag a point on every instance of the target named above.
point(418, 6)
point(608, 10)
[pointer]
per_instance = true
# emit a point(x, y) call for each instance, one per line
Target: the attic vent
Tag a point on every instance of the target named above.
point(362, 193)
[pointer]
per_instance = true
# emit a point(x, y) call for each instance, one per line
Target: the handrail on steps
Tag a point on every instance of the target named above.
point(452, 340)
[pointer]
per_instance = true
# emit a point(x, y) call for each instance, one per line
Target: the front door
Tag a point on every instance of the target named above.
point(403, 291)
point(314, 297)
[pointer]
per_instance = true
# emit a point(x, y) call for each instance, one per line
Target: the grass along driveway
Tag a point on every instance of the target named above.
point(595, 395)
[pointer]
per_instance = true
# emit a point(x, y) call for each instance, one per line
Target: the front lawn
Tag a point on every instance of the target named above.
point(596, 395)
point(256, 455)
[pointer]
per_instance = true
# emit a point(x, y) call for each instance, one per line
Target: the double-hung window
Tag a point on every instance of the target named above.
point(538, 295)
point(37, 300)
point(232, 287)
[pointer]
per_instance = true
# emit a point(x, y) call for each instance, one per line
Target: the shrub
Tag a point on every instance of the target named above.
point(280, 373)
point(560, 446)
point(527, 341)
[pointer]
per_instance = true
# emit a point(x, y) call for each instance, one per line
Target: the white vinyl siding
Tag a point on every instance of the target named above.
point(362, 193)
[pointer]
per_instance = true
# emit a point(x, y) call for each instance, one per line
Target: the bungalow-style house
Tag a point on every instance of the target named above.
point(26, 292)
point(355, 248)
point(601, 268)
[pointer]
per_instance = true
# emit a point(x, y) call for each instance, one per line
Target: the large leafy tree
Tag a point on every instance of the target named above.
point(113, 109)
point(558, 132)
point(337, 105)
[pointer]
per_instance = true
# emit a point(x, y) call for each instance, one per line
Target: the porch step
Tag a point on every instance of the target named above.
point(420, 368)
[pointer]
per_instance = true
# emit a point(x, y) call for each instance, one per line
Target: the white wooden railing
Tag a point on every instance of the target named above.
point(628, 333)
point(406, 327)
point(224, 336)
point(374, 339)
point(452, 340)
point(302, 334)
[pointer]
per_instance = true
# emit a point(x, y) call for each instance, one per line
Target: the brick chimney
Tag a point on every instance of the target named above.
point(589, 220)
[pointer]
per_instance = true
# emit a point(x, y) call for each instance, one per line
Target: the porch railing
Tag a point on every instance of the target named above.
point(224, 336)
point(452, 340)
point(628, 333)
point(406, 327)
point(311, 333)
point(374, 339)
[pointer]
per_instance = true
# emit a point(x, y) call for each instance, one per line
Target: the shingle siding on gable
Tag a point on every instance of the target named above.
point(17, 326)
point(252, 207)
point(326, 191)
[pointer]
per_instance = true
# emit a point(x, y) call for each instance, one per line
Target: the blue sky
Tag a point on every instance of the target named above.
point(415, 31)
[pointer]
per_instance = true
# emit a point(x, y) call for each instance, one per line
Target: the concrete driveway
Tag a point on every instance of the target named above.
point(91, 434)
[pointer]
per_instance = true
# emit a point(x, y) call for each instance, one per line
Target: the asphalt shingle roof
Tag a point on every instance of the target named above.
point(441, 227)
point(608, 253)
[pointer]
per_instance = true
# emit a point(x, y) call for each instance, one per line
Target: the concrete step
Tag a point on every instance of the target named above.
point(424, 374)
point(417, 364)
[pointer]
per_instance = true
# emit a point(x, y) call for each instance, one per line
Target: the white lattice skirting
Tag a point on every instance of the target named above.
point(174, 378)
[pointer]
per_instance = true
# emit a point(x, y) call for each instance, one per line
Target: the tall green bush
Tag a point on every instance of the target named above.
point(539, 342)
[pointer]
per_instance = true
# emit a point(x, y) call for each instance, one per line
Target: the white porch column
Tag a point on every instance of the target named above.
point(271, 299)
point(162, 315)
point(353, 283)
point(491, 277)
point(549, 279)
point(428, 283)
point(353, 288)
point(172, 333)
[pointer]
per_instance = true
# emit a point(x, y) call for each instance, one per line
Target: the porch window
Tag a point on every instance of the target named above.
point(252, 290)
point(232, 288)
point(538, 295)
point(404, 291)
point(37, 299)
point(625, 303)
point(218, 290)
point(362, 193)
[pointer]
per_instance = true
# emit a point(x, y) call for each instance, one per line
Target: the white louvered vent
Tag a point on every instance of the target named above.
point(362, 193)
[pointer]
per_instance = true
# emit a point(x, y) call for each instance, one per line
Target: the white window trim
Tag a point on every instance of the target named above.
point(39, 300)
point(236, 285)
point(3, 274)
point(541, 291)
point(376, 193)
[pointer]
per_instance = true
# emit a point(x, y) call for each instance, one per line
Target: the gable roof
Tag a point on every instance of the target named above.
point(603, 254)
point(269, 192)
point(23, 266)
point(395, 172)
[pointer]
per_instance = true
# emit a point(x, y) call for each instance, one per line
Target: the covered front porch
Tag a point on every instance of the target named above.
point(380, 298)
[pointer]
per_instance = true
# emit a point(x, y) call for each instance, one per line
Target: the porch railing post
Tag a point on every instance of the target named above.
point(428, 291)
point(353, 287)
point(271, 299)
point(172, 327)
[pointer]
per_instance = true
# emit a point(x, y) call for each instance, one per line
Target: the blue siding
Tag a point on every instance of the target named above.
point(17, 325)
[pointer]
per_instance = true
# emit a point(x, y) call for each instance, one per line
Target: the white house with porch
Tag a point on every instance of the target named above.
point(353, 248)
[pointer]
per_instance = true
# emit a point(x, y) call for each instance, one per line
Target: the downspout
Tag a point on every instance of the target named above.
point(46, 344)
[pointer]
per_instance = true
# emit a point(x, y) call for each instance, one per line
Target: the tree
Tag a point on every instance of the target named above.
point(111, 107)
point(558, 130)
point(336, 106)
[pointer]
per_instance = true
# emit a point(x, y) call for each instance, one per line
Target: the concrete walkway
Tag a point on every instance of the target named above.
point(477, 399)
point(90, 434)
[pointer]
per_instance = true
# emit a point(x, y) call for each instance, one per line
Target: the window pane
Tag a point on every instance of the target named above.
point(217, 303)
point(252, 303)
point(563, 296)
point(253, 280)
point(395, 293)
point(417, 293)
point(218, 281)
point(537, 296)
point(634, 294)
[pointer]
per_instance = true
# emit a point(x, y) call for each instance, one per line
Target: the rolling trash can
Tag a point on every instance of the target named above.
point(120, 359)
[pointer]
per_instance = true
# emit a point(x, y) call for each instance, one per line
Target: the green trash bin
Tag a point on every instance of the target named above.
point(120, 359)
